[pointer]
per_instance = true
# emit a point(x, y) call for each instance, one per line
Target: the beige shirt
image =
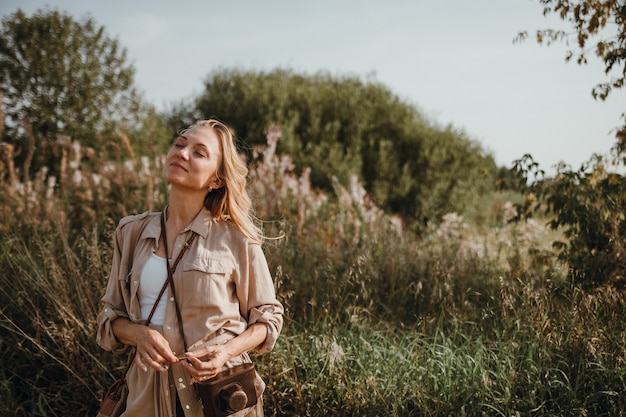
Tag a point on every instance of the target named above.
point(223, 285)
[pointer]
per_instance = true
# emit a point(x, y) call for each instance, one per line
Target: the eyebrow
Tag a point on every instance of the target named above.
point(187, 139)
point(202, 145)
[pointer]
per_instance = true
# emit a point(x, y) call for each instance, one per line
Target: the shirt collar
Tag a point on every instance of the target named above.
point(199, 225)
point(153, 228)
point(202, 223)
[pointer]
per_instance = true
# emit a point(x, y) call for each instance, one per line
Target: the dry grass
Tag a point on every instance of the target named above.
point(466, 319)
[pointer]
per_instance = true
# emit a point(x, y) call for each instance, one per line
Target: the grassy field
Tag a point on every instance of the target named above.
point(470, 319)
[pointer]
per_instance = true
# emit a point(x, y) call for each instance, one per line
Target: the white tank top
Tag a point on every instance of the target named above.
point(153, 276)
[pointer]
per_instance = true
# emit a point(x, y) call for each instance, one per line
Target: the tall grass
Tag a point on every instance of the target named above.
point(466, 319)
point(356, 371)
point(48, 305)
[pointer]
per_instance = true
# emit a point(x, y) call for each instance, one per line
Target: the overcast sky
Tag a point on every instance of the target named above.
point(454, 60)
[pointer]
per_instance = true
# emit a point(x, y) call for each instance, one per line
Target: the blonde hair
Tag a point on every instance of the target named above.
point(231, 201)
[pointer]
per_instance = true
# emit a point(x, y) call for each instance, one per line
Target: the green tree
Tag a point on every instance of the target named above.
point(588, 204)
point(63, 77)
point(340, 126)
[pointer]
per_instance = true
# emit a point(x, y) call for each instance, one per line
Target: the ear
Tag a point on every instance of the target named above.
point(217, 183)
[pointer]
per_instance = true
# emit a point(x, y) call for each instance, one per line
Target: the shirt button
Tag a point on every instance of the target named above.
point(134, 282)
point(171, 299)
point(106, 310)
point(168, 327)
point(188, 407)
point(180, 380)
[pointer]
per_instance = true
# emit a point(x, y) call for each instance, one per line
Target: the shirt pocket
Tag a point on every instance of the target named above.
point(207, 282)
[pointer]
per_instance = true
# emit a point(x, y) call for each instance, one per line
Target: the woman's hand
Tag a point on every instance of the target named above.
point(206, 362)
point(152, 348)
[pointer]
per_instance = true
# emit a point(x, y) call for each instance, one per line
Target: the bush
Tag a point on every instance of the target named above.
point(588, 205)
point(378, 321)
point(341, 126)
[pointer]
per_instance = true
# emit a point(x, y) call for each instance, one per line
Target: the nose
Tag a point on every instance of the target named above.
point(182, 153)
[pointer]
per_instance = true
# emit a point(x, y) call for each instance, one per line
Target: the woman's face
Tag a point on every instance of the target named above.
point(194, 159)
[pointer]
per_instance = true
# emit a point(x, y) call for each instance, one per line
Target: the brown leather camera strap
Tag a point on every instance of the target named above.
point(170, 273)
point(168, 281)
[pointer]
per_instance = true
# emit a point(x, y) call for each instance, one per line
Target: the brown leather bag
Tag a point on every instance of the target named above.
point(114, 402)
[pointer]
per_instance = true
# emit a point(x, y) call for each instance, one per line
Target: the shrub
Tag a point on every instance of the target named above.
point(588, 205)
point(379, 321)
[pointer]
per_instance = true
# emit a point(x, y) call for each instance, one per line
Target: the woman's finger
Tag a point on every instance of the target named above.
point(145, 359)
point(163, 353)
point(139, 363)
point(199, 368)
point(199, 376)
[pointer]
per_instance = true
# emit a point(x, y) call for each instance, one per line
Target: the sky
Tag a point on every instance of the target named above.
point(454, 60)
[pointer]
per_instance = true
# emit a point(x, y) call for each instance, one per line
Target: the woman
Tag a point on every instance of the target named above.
point(222, 284)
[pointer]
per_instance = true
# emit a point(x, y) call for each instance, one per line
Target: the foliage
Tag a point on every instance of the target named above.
point(590, 20)
point(588, 205)
point(341, 126)
point(60, 77)
point(456, 320)
point(56, 251)
point(364, 369)
point(50, 342)
point(379, 321)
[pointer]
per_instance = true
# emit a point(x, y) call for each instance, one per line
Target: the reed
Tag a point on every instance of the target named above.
point(465, 319)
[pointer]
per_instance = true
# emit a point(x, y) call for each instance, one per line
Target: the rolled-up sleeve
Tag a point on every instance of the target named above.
point(113, 305)
point(272, 317)
point(263, 305)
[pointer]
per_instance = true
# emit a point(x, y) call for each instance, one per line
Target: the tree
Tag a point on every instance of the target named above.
point(588, 206)
point(62, 77)
point(342, 126)
point(591, 19)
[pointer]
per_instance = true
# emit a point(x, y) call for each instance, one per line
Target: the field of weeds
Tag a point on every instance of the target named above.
point(465, 319)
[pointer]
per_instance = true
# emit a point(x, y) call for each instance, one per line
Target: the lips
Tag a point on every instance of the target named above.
point(177, 165)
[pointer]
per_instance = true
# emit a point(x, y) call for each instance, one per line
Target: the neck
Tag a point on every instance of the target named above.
point(182, 209)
